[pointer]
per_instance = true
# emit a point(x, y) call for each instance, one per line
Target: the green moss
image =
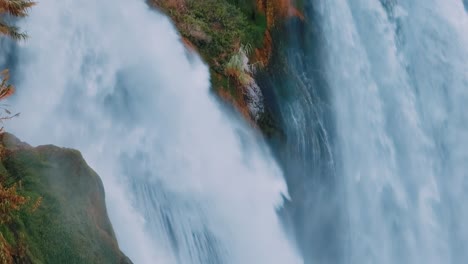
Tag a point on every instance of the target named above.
point(217, 28)
point(257, 22)
point(71, 224)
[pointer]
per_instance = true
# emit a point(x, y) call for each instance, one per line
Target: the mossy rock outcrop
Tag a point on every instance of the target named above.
point(219, 29)
point(64, 219)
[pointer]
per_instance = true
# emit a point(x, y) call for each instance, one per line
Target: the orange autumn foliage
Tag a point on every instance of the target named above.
point(10, 202)
point(278, 9)
point(6, 89)
point(275, 11)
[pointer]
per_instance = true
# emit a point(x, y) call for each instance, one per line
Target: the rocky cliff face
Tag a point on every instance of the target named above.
point(64, 219)
point(235, 39)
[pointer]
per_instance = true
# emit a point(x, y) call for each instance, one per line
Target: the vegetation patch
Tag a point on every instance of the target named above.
point(218, 29)
point(234, 37)
point(53, 208)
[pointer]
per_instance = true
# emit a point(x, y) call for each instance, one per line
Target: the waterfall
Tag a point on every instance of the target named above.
point(185, 181)
point(376, 102)
point(399, 80)
point(371, 97)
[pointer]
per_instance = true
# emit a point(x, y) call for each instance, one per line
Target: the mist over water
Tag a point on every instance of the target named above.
point(185, 182)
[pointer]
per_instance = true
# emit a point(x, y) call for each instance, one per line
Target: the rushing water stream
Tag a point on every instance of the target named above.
point(185, 182)
point(374, 108)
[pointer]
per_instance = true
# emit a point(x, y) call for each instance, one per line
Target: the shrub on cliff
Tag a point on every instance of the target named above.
point(11, 202)
point(217, 27)
point(13, 8)
point(239, 67)
point(6, 89)
point(8, 9)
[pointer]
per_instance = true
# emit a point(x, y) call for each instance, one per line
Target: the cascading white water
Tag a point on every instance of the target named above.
point(184, 182)
point(398, 75)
